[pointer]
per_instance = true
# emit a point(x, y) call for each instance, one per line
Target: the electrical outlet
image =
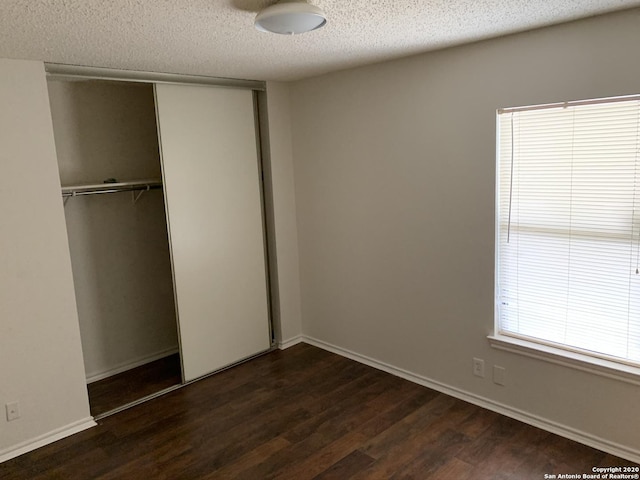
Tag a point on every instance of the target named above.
point(13, 411)
point(499, 375)
point(478, 367)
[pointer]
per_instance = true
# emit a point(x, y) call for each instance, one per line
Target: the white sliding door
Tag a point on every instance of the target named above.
point(212, 189)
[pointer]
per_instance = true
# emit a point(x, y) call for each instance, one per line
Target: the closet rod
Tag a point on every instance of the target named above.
point(140, 185)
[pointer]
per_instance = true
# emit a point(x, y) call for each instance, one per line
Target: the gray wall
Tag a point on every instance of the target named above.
point(39, 336)
point(395, 176)
point(280, 188)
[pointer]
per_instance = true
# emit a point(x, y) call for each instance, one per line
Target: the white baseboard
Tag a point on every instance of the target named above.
point(137, 362)
point(47, 438)
point(618, 450)
point(283, 345)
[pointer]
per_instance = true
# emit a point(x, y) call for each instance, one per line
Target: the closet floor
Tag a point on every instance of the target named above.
point(134, 384)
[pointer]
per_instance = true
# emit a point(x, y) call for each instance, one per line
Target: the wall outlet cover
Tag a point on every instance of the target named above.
point(13, 411)
point(478, 367)
point(499, 375)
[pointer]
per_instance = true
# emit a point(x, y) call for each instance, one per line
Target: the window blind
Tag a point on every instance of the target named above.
point(568, 227)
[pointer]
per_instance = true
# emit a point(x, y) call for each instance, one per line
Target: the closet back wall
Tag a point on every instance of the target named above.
point(119, 251)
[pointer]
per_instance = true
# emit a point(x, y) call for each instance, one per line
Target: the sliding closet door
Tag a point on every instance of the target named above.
point(212, 190)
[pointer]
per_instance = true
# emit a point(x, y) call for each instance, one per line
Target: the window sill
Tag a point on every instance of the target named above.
point(604, 368)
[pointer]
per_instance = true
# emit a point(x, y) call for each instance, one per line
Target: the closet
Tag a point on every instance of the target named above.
point(164, 212)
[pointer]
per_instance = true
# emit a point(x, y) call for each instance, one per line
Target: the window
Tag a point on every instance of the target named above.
point(568, 227)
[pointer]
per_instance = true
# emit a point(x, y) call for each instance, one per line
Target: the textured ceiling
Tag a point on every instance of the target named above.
point(217, 38)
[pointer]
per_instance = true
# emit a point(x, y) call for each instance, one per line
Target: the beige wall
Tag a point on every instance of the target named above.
point(40, 349)
point(119, 250)
point(282, 215)
point(395, 175)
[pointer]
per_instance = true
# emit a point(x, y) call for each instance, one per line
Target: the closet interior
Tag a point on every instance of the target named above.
point(109, 161)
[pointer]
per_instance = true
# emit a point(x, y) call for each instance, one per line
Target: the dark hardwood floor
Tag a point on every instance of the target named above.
point(304, 413)
point(134, 384)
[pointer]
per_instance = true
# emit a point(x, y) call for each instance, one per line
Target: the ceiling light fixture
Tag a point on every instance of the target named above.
point(290, 17)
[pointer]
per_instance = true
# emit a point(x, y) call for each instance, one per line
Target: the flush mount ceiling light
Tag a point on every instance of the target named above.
point(290, 17)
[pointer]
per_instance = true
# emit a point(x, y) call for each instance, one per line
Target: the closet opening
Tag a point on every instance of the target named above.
point(109, 162)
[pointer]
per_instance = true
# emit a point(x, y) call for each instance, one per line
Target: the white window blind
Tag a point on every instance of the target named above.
point(568, 227)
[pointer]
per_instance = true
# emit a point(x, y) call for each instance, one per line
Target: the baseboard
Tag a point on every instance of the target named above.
point(283, 345)
point(525, 417)
point(47, 438)
point(138, 362)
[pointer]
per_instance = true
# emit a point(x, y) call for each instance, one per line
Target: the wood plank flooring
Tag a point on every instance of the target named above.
point(304, 413)
point(134, 384)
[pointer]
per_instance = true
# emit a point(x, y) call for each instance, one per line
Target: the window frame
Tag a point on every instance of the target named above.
point(542, 350)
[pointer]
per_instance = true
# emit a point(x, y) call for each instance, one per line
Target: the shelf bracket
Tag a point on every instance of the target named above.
point(66, 199)
point(136, 196)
